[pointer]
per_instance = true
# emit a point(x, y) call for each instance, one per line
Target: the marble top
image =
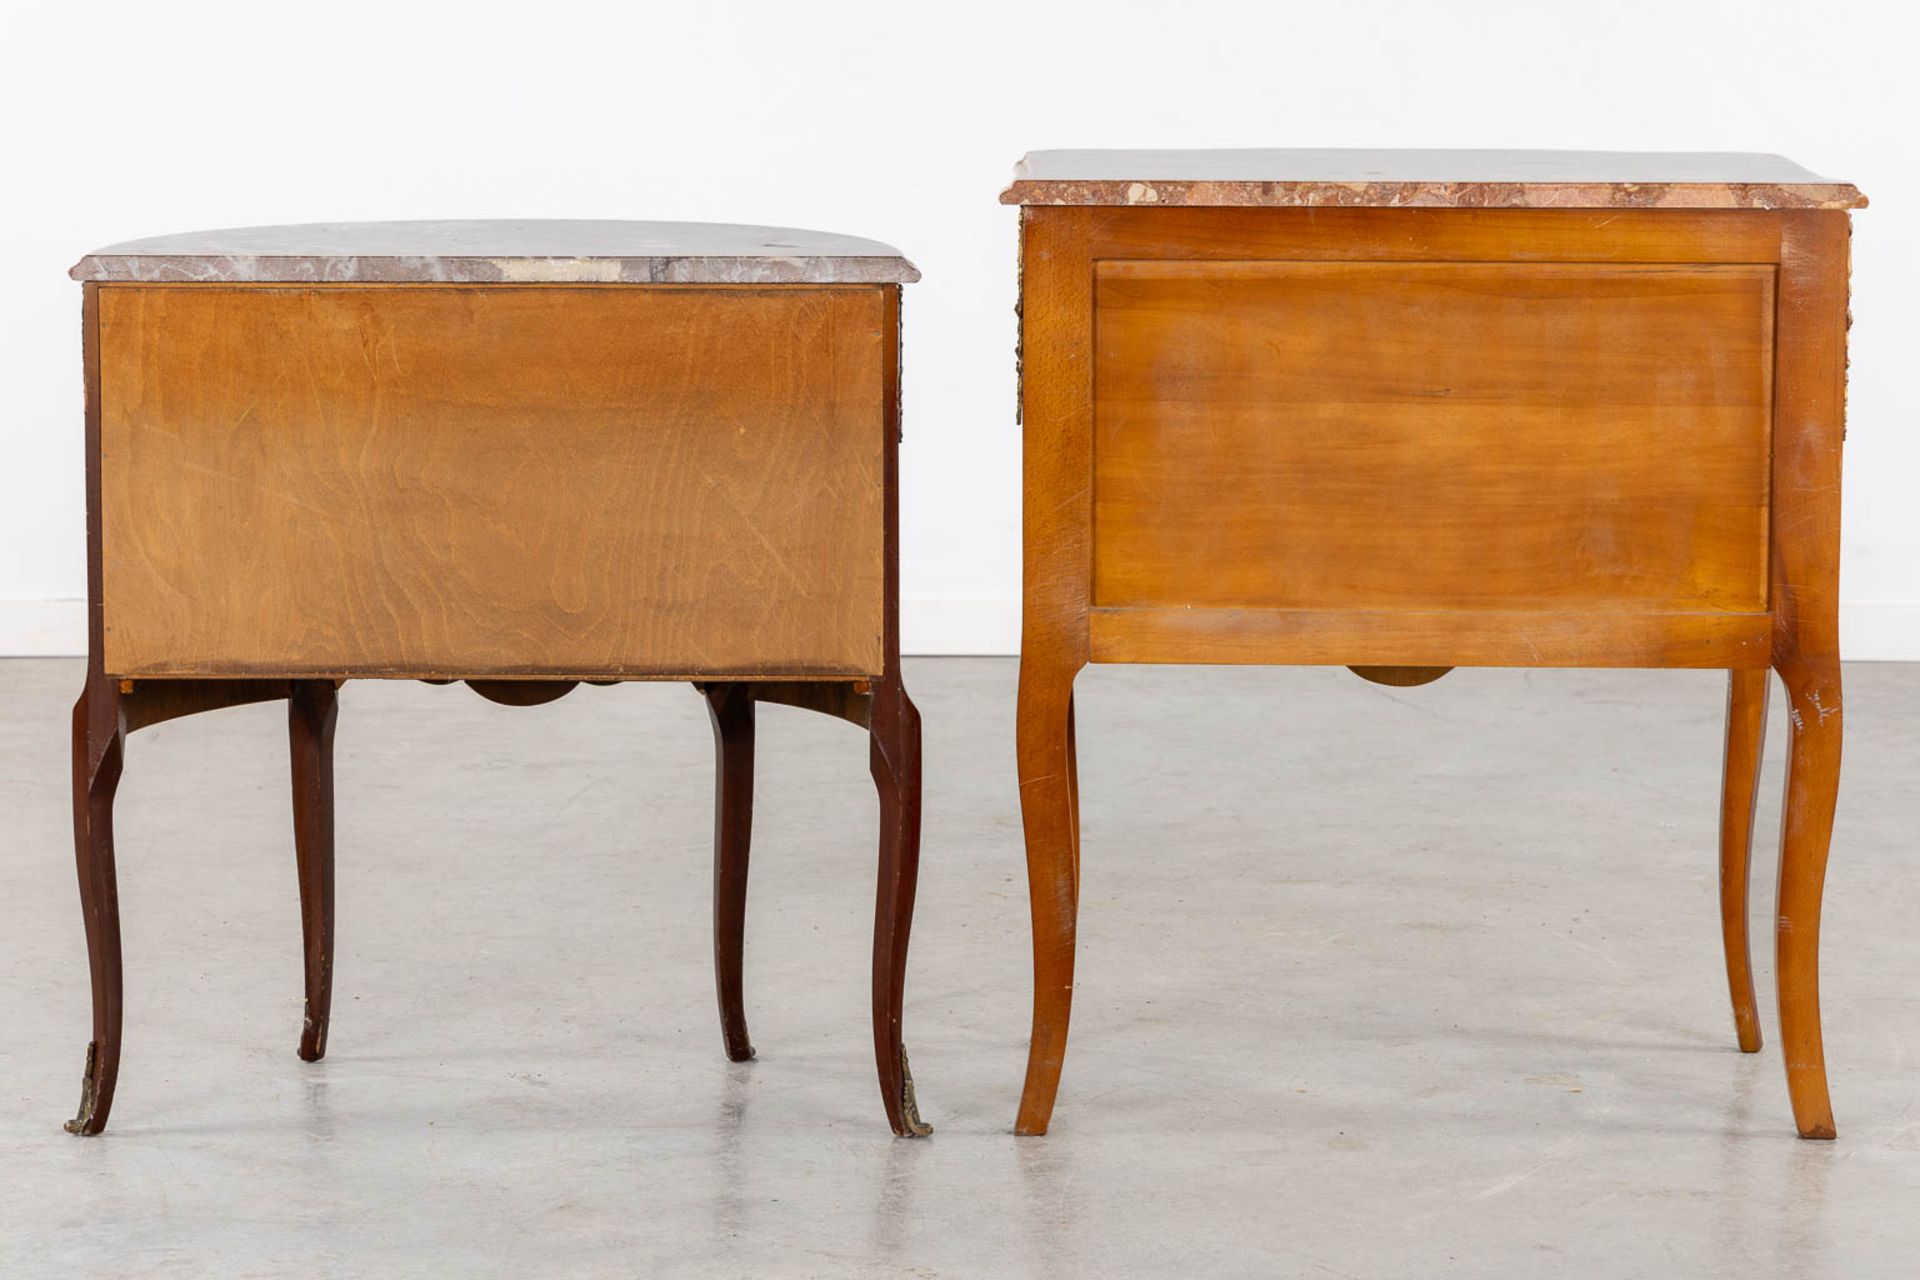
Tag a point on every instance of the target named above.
point(1468, 179)
point(487, 252)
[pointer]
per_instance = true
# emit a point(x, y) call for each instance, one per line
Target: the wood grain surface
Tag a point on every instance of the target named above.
point(1435, 436)
point(612, 481)
point(1435, 235)
point(1432, 637)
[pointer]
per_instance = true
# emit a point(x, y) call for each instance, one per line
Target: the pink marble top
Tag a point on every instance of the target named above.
point(1465, 179)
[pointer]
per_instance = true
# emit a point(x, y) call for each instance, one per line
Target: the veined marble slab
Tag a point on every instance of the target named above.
point(1434, 179)
point(490, 252)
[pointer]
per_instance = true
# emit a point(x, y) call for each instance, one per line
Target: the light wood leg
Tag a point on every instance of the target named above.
point(1049, 792)
point(1747, 691)
point(1806, 829)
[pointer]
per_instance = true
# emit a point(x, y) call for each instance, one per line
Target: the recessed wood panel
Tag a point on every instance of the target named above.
point(502, 480)
point(1439, 436)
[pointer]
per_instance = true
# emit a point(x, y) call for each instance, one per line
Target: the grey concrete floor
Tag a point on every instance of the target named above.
point(1372, 983)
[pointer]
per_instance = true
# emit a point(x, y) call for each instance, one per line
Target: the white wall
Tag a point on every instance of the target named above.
point(899, 121)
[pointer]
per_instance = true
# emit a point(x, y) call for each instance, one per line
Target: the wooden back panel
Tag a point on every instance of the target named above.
point(601, 481)
point(1609, 499)
point(1449, 435)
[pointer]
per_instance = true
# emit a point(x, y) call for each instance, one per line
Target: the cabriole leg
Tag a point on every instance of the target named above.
point(895, 760)
point(1806, 830)
point(1049, 805)
point(311, 711)
point(99, 749)
point(1739, 790)
point(731, 708)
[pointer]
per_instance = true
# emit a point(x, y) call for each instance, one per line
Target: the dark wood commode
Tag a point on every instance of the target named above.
point(1406, 411)
point(520, 454)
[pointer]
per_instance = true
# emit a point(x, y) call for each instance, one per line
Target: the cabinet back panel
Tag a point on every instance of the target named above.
point(496, 480)
point(1437, 435)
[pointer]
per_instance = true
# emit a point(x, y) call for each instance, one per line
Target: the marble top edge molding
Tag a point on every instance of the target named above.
point(1314, 178)
point(501, 252)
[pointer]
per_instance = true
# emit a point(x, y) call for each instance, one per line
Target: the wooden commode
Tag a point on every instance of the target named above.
point(1405, 411)
point(519, 454)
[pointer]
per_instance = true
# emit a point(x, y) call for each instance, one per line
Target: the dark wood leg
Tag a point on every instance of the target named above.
point(1806, 829)
point(311, 711)
point(731, 708)
point(99, 751)
point(895, 761)
point(1049, 807)
point(1739, 790)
